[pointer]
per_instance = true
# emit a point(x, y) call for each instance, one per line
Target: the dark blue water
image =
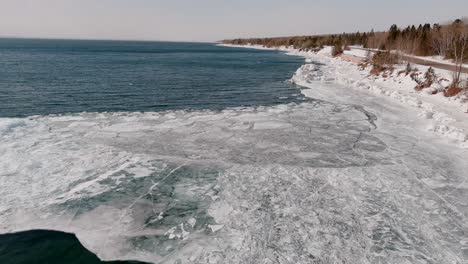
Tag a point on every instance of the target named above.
point(39, 77)
point(47, 247)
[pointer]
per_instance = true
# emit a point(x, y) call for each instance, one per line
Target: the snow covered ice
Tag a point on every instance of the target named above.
point(344, 178)
point(311, 183)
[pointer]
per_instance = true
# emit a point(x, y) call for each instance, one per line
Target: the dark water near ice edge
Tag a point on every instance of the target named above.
point(46, 247)
point(40, 77)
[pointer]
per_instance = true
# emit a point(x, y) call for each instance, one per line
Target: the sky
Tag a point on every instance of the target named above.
point(212, 20)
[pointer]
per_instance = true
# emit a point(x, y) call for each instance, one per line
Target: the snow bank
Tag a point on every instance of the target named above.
point(356, 52)
point(444, 116)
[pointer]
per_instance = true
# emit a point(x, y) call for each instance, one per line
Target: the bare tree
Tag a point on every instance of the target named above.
point(442, 41)
point(460, 45)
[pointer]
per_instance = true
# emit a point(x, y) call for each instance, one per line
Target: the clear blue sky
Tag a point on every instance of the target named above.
point(210, 20)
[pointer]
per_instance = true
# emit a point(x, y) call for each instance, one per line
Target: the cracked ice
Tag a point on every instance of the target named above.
point(311, 183)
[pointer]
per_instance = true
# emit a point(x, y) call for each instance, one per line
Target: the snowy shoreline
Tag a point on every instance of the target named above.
point(346, 177)
point(446, 116)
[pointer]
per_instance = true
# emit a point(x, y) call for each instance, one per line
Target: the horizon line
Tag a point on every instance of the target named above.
point(105, 39)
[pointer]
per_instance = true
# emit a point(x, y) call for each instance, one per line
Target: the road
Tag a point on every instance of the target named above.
point(434, 64)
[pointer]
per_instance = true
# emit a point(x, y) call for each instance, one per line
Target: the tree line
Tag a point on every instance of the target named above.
point(446, 40)
point(449, 40)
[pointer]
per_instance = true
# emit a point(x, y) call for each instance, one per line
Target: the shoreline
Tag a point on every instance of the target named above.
point(336, 174)
point(446, 116)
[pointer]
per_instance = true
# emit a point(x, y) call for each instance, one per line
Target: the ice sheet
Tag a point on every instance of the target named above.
point(315, 182)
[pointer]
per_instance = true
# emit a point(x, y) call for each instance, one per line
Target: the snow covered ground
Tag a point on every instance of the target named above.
point(356, 52)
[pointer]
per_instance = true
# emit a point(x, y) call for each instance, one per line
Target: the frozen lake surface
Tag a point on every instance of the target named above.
point(283, 184)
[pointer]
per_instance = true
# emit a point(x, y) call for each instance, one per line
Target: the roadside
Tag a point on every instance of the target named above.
point(426, 62)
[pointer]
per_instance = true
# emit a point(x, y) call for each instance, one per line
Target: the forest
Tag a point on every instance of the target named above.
point(447, 40)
